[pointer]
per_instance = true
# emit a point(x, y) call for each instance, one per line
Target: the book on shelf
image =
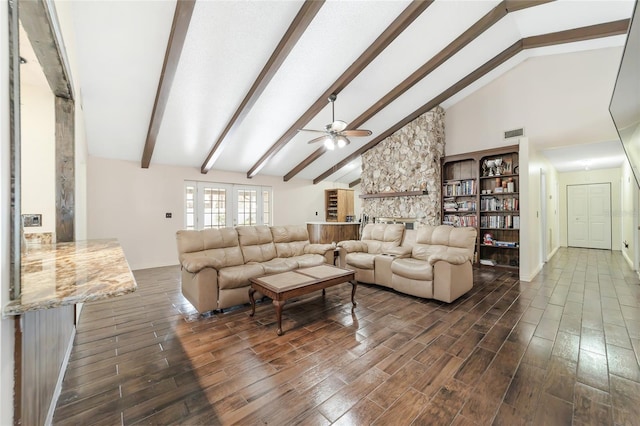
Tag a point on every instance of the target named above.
point(459, 187)
point(460, 220)
point(512, 244)
point(500, 221)
point(488, 262)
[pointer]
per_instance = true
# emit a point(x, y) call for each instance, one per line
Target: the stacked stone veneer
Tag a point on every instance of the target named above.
point(405, 161)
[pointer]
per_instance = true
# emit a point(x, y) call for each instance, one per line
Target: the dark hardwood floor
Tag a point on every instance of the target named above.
point(563, 349)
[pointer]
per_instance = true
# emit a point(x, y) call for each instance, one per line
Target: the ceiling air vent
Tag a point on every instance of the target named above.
point(515, 133)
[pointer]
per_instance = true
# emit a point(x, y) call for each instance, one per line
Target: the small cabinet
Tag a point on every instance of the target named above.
point(338, 204)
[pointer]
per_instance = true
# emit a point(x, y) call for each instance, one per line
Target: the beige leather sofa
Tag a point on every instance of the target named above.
point(433, 262)
point(217, 264)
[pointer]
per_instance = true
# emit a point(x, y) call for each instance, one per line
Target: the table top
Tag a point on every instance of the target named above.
point(301, 277)
point(59, 274)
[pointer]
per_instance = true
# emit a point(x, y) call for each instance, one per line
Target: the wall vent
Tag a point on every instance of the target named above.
point(515, 133)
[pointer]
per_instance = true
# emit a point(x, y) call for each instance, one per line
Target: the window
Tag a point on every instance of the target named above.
point(217, 205)
point(189, 206)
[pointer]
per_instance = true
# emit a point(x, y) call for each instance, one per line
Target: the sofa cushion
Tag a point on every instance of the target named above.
point(278, 264)
point(412, 268)
point(381, 236)
point(289, 240)
point(215, 258)
point(238, 276)
point(216, 248)
point(458, 240)
point(424, 251)
point(256, 243)
point(361, 260)
point(309, 260)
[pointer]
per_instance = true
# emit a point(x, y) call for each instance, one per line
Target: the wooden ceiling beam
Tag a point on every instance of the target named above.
point(354, 183)
point(394, 30)
point(473, 32)
point(40, 22)
point(179, 27)
point(561, 37)
point(461, 84)
point(578, 34)
point(297, 28)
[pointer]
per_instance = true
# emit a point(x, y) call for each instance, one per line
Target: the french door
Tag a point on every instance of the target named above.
point(218, 205)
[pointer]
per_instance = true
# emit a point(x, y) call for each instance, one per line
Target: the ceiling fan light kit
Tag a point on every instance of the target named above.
point(335, 132)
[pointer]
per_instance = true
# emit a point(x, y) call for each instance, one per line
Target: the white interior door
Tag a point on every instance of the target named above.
point(589, 216)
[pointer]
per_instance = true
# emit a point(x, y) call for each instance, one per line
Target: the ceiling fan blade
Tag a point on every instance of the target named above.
point(356, 132)
point(338, 126)
point(320, 139)
point(312, 130)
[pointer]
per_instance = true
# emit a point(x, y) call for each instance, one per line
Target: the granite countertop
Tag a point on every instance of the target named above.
point(60, 274)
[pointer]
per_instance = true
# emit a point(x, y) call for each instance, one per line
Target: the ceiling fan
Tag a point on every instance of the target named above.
point(335, 133)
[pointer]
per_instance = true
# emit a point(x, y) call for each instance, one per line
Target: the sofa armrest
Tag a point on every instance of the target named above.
point(321, 249)
point(398, 252)
point(454, 259)
point(352, 246)
point(195, 264)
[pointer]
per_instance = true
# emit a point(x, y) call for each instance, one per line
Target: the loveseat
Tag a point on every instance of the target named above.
point(216, 264)
point(432, 262)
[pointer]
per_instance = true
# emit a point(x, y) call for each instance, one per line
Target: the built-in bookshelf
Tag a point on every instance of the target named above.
point(480, 189)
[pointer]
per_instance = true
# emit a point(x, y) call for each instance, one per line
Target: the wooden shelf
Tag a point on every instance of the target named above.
point(499, 176)
point(394, 194)
point(466, 171)
point(498, 247)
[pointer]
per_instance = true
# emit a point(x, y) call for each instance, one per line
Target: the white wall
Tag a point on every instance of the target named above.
point(6, 325)
point(129, 203)
point(532, 165)
point(629, 215)
point(559, 99)
point(38, 144)
point(611, 176)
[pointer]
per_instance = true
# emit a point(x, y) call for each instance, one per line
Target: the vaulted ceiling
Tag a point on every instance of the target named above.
point(227, 84)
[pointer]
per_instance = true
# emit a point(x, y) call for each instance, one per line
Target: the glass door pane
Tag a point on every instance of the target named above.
point(246, 204)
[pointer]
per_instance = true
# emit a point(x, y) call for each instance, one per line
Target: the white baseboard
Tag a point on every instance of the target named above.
point(629, 261)
point(528, 278)
point(553, 252)
point(58, 389)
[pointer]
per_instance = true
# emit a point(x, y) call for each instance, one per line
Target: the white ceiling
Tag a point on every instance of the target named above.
point(591, 156)
point(121, 47)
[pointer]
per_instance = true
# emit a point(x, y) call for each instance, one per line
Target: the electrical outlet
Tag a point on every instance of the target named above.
point(167, 215)
point(29, 220)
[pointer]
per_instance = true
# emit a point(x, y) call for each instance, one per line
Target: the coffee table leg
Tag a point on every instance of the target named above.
point(354, 284)
point(253, 301)
point(279, 304)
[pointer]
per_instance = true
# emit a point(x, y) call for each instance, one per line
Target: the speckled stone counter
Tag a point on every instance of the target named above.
point(68, 273)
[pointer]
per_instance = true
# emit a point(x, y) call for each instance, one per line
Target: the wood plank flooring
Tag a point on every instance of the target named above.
point(561, 350)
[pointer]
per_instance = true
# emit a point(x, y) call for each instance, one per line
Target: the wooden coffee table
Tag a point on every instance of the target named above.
point(284, 286)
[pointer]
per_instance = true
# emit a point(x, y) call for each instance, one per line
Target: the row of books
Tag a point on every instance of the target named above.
point(462, 187)
point(496, 204)
point(451, 205)
point(456, 220)
point(503, 221)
